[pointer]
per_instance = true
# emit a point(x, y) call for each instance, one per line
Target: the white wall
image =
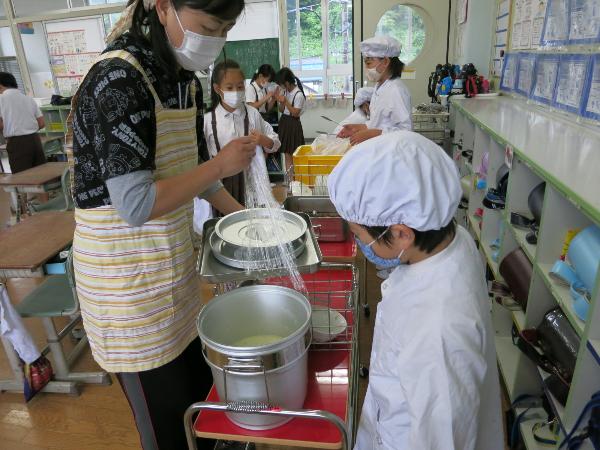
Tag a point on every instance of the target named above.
point(31, 7)
point(7, 47)
point(38, 62)
point(313, 122)
point(474, 38)
point(258, 21)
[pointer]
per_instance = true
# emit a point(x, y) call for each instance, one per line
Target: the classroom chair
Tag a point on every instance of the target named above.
point(57, 297)
point(62, 202)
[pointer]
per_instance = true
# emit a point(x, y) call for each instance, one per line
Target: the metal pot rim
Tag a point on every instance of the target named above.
point(240, 215)
point(264, 349)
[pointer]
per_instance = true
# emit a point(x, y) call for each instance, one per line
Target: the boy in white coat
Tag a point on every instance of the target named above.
point(433, 381)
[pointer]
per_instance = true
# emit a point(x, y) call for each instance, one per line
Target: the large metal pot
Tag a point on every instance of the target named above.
point(275, 372)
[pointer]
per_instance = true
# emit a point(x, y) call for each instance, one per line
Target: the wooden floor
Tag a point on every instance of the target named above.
point(100, 418)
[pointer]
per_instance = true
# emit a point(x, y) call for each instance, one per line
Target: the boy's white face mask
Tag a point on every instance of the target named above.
point(197, 52)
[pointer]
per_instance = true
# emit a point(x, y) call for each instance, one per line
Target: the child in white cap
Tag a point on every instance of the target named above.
point(433, 381)
point(391, 103)
point(361, 113)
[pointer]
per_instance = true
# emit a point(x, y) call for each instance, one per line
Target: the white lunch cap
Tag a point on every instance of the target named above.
point(380, 47)
point(363, 95)
point(397, 178)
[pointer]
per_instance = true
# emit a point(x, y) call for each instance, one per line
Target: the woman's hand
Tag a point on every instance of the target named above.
point(236, 156)
point(351, 129)
point(364, 135)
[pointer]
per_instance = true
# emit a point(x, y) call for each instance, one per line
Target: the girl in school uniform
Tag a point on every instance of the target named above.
point(291, 104)
point(231, 117)
point(390, 106)
point(257, 94)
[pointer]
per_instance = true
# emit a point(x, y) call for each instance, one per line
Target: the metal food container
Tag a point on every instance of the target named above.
point(327, 224)
point(274, 373)
point(252, 228)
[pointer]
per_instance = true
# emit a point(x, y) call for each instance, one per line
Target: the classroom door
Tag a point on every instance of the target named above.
point(420, 25)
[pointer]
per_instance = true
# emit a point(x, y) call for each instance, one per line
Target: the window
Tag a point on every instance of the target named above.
point(320, 44)
point(405, 24)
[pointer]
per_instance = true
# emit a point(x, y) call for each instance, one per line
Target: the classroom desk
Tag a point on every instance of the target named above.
point(26, 246)
point(36, 180)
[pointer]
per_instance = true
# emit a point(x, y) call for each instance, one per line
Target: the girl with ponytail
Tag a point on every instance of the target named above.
point(291, 104)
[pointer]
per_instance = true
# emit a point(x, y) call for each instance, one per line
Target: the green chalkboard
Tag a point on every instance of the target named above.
point(252, 54)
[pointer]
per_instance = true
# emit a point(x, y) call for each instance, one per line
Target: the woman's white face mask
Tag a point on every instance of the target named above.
point(373, 74)
point(197, 51)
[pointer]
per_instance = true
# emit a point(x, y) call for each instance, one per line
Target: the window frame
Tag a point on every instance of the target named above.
point(329, 70)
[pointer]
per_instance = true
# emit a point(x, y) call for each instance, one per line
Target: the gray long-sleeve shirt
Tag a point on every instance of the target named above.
point(133, 195)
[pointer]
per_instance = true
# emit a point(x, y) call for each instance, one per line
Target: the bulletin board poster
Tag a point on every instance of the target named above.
point(570, 83)
point(556, 25)
point(73, 47)
point(538, 18)
point(509, 72)
point(525, 72)
point(544, 79)
point(584, 26)
point(591, 108)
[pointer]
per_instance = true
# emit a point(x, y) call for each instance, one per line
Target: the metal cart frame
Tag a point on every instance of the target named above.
point(341, 295)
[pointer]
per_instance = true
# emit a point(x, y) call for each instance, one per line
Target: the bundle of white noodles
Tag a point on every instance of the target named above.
point(267, 225)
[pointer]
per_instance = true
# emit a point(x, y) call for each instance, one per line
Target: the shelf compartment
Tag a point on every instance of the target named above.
point(557, 408)
point(487, 252)
point(517, 371)
point(526, 427)
point(562, 296)
point(520, 237)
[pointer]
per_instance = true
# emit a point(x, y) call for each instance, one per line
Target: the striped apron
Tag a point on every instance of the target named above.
point(137, 287)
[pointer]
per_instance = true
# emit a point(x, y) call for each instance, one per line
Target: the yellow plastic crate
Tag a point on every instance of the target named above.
point(307, 166)
point(55, 127)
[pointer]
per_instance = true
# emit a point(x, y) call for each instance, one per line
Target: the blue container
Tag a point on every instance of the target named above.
point(57, 268)
point(584, 255)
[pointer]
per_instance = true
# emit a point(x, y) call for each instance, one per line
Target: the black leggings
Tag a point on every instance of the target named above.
point(159, 398)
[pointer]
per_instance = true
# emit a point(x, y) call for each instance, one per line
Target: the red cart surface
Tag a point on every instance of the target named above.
point(328, 418)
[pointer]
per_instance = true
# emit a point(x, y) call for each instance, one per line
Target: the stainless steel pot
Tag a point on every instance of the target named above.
point(274, 373)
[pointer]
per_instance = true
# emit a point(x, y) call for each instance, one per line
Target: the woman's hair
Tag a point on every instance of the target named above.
point(8, 80)
point(147, 26)
point(425, 241)
point(285, 75)
point(217, 77)
point(396, 67)
point(266, 70)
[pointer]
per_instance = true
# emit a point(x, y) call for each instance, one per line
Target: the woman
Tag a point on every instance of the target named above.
point(136, 130)
point(257, 94)
point(291, 105)
point(391, 105)
point(433, 380)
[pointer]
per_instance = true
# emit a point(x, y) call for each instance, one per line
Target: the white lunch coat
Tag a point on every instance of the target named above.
point(433, 381)
point(297, 99)
point(255, 93)
point(231, 126)
point(390, 107)
point(358, 117)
